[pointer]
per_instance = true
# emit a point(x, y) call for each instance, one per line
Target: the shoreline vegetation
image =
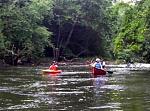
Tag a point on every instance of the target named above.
point(85, 62)
point(73, 29)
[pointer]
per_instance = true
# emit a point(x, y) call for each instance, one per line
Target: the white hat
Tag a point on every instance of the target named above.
point(97, 60)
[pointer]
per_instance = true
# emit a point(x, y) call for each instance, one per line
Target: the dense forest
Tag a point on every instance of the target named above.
point(33, 29)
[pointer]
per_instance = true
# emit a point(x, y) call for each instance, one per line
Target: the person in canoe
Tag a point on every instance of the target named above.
point(53, 69)
point(54, 66)
point(97, 68)
point(97, 64)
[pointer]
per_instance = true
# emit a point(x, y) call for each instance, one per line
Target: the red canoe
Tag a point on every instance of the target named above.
point(98, 72)
point(51, 71)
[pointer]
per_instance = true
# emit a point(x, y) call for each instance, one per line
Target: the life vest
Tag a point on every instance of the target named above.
point(53, 67)
point(98, 65)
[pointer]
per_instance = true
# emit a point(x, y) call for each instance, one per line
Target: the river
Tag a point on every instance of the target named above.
point(27, 89)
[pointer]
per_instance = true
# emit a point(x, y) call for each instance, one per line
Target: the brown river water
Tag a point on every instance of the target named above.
point(27, 89)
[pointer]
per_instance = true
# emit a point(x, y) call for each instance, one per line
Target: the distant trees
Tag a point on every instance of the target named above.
point(131, 40)
point(70, 14)
point(22, 35)
point(74, 28)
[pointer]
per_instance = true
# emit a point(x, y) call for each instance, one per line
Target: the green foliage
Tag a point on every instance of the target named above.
point(122, 28)
point(88, 13)
point(22, 34)
point(39, 8)
point(131, 33)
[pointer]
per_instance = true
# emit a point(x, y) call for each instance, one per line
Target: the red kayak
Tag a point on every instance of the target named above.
point(98, 72)
point(51, 71)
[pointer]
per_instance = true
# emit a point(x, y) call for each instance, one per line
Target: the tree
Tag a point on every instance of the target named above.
point(70, 14)
point(131, 34)
point(22, 34)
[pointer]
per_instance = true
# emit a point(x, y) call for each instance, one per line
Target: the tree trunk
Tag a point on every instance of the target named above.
point(70, 35)
point(56, 53)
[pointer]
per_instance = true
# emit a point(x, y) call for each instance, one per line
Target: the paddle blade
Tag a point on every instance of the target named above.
point(110, 72)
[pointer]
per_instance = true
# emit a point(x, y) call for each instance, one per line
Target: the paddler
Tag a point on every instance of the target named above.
point(97, 64)
point(54, 66)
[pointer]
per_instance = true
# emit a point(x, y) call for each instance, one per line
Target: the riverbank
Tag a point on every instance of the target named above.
point(84, 62)
point(112, 66)
point(131, 67)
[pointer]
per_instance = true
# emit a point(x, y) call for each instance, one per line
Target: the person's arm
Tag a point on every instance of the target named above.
point(56, 66)
point(92, 64)
point(104, 63)
point(101, 65)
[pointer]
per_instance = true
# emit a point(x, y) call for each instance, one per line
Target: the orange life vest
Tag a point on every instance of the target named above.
point(53, 67)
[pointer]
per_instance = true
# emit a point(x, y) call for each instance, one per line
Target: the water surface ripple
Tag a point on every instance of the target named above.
point(22, 88)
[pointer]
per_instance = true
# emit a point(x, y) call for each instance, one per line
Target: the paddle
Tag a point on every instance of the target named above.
point(110, 72)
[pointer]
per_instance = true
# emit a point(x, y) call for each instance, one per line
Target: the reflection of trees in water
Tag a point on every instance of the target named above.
point(98, 83)
point(99, 92)
point(51, 82)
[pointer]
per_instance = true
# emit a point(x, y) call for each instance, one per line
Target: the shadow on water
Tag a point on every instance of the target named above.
point(24, 88)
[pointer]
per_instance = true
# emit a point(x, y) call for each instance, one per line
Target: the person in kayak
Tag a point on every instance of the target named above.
point(54, 66)
point(97, 64)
